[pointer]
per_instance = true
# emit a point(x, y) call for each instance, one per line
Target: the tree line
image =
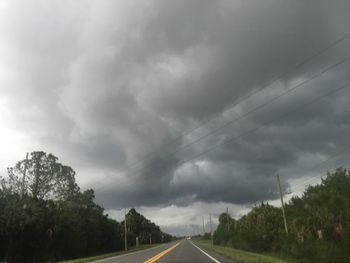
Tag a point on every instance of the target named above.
point(47, 217)
point(318, 224)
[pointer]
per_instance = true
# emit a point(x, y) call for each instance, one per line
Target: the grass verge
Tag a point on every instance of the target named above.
point(241, 256)
point(94, 258)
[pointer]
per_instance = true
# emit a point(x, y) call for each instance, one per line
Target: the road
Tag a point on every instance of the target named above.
point(179, 252)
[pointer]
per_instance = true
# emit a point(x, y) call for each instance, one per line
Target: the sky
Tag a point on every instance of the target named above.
point(180, 109)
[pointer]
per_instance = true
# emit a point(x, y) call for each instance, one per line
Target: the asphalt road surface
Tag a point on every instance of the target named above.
point(179, 252)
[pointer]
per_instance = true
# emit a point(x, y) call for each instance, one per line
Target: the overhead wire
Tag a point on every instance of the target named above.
point(331, 157)
point(230, 139)
point(309, 182)
point(263, 105)
point(273, 99)
point(236, 103)
point(261, 126)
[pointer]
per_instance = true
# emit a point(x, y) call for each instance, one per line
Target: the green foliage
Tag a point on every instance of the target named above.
point(54, 220)
point(144, 229)
point(319, 224)
point(243, 256)
point(45, 178)
point(226, 226)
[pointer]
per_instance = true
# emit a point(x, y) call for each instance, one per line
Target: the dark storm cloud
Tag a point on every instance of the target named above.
point(112, 85)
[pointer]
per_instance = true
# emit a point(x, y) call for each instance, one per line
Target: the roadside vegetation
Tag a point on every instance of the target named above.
point(318, 223)
point(48, 218)
point(242, 256)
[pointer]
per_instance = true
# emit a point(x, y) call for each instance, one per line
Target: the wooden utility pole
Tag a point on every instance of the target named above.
point(24, 176)
point(228, 220)
point(284, 214)
point(125, 232)
point(203, 225)
point(211, 231)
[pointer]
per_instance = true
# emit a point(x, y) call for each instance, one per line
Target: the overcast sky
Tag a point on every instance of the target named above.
point(150, 101)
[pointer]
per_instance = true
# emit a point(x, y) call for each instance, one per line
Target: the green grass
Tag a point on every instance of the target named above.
point(89, 259)
point(243, 256)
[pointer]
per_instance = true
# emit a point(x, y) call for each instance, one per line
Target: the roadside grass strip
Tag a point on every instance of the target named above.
point(161, 254)
point(243, 256)
point(205, 253)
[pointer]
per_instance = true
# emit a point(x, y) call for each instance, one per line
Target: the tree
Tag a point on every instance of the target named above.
point(224, 230)
point(54, 220)
point(46, 178)
point(319, 223)
point(144, 229)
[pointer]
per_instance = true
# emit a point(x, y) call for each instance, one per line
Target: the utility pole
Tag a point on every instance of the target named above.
point(211, 231)
point(228, 220)
point(203, 225)
point(284, 214)
point(125, 232)
point(24, 176)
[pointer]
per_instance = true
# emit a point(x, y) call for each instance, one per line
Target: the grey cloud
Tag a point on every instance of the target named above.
point(111, 84)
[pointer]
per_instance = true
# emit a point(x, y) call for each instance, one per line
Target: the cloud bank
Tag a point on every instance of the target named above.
point(117, 89)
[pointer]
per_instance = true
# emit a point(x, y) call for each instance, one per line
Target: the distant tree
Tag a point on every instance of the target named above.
point(224, 230)
point(144, 229)
point(45, 179)
point(54, 220)
point(318, 222)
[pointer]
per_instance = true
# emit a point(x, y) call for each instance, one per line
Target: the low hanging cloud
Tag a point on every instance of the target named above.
point(113, 88)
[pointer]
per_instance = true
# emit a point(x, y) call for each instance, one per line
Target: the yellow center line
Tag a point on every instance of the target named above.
point(158, 256)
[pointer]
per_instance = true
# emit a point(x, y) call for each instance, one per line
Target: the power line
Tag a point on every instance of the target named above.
point(305, 183)
point(261, 126)
point(319, 164)
point(234, 104)
point(308, 181)
point(314, 177)
point(230, 139)
point(261, 106)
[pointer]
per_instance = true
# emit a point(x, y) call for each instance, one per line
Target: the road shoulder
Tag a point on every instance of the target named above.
point(103, 257)
point(239, 255)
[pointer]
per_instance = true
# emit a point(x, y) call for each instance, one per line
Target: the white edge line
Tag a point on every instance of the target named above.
point(127, 254)
point(205, 253)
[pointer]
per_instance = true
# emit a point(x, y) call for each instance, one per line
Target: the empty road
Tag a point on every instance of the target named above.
point(178, 252)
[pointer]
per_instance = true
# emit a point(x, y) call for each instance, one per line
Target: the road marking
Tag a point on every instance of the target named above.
point(127, 254)
point(205, 253)
point(158, 256)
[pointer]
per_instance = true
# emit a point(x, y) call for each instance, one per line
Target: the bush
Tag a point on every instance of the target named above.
point(318, 224)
